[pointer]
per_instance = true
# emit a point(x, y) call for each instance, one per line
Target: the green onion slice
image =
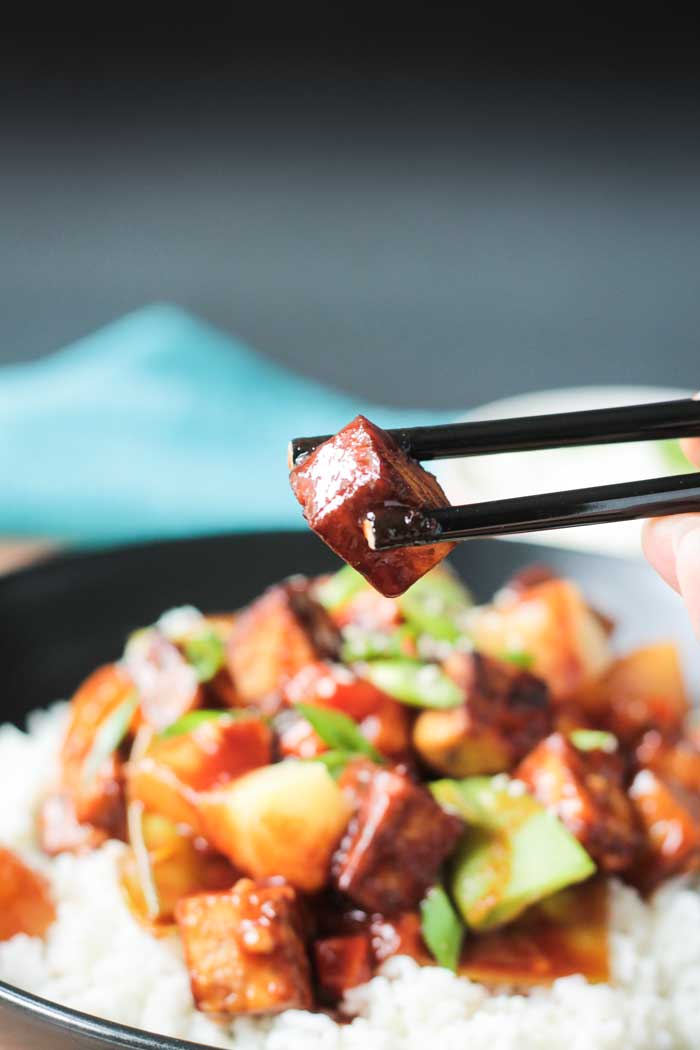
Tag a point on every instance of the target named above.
point(413, 683)
point(442, 928)
point(338, 730)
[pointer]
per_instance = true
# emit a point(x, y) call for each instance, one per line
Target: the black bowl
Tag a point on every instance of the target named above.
point(61, 618)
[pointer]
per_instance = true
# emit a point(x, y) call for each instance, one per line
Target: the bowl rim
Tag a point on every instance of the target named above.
point(111, 1033)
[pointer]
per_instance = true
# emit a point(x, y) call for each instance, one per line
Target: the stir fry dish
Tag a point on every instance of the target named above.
point(354, 473)
point(330, 777)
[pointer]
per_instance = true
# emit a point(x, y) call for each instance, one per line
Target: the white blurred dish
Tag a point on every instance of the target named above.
point(482, 478)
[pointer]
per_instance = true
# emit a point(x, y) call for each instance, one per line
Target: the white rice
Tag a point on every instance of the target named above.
point(97, 959)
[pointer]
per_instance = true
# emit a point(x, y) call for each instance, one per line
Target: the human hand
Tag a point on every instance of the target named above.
point(672, 545)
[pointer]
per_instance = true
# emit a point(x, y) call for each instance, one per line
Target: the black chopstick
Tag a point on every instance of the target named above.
point(598, 426)
point(403, 527)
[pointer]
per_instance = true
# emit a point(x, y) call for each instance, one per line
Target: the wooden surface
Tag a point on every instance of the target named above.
point(15, 553)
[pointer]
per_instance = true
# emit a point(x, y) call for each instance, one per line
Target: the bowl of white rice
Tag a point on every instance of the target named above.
point(99, 979)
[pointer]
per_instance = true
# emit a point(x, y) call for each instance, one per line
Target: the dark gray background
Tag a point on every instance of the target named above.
point(430, 225)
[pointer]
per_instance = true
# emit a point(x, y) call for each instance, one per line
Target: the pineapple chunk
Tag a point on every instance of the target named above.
point(552, 623)
point(285, 819)
point(642, 690)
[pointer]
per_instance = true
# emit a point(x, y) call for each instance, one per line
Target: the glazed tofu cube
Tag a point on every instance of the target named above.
point(168, 777)
point(25, 901)
point(275, 637)
point(285, 819)
point(60, 831)
point(395, 844)
point(359, 470)
point(585, 790)
point(342, 963)
point(244, 949)
point(506, 712)
point(670, 818)
point(399, 935)
point(555, 627)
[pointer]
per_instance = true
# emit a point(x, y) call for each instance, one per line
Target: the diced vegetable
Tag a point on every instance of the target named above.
point(167, 685)
point(562, 935)
point(193, 719)
point(175, 768)
point(382, 720)
point(442, 928)
point(518, 657)
point(419, 685)
point(340, 588)
point(361, 644)
point(593, 740)
point(142, 861)
point(108, 737)
point(167, 863)
point(334, 761)
point(101, 713)
point(285, 819)
point(551, 622)
point(643, 690)
point(436, 604)
point(244, 949)
point(100, 695)
point(584, 788)
point(205, 652)
point(339, 731)
point(513, 852)
point(25, 900)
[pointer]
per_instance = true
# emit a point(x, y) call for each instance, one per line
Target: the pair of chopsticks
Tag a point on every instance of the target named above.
point(393, 526)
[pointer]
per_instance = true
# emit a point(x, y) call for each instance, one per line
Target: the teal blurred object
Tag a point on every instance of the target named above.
point(158, 425)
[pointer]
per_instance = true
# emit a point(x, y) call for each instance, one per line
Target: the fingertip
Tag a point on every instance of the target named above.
point(657, 545)
point(688, 572)
point(691, 446)
point(691, 449)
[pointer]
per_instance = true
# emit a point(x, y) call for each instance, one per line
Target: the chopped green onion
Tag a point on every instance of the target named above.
point(436, 603)
point(334, 761)
point(193, 719)
point(340, 588)
point(109, 736)
point(593, 740)
point(442, 928)
point(360, 644)
point(519, 657)
point(338, 730)
point(206, 653)
point(416, 684)
point(134, 820)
